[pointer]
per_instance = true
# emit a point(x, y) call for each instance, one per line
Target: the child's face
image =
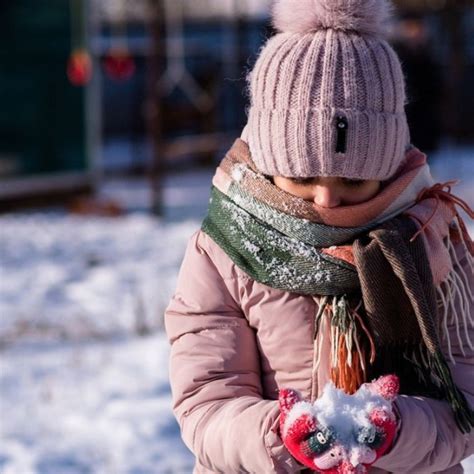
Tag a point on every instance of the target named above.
point(328, 191)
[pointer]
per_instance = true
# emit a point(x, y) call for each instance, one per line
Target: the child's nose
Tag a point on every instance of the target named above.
point(326, 196)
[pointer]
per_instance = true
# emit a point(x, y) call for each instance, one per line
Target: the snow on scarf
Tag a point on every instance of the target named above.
point(377, 280)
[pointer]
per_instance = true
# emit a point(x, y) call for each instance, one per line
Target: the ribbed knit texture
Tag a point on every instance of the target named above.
point(302, 83)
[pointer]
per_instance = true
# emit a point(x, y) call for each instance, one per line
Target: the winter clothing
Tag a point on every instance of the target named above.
point(340, 433)
point(250, 314)
point(267, 217)
point(235, 342)
point(328, 94)
point(392, 279)
point(227, 363)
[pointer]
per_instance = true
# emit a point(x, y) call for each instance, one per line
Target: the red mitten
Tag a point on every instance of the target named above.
point(340, 433)
point(300, 433)
point(373, 440)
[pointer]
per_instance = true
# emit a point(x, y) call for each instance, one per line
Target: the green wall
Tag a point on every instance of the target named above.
point(42, 116)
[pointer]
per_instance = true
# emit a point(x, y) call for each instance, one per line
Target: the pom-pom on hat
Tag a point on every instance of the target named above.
point(307, 16)
point(328, 93)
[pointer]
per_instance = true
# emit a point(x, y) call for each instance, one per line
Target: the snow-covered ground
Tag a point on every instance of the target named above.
point(68, 276)
point(83, 363)
point(89, 407)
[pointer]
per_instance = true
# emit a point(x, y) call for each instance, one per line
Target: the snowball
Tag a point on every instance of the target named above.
point(346, 413)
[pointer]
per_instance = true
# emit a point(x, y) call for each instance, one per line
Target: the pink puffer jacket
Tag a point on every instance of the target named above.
point(235, 342)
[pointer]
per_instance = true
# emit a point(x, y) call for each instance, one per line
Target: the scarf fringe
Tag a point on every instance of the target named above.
point(318, 321)
point(455, 298)
point(440, 375)
point(466, 241)
point(463, 413)
point(419, 359)
point(348, 358)
point(467, 247)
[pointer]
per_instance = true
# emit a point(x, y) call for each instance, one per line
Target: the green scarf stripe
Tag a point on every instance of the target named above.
point(303, 230)
point(272, 258)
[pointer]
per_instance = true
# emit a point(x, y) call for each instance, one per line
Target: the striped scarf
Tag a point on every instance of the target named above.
point(374, 266)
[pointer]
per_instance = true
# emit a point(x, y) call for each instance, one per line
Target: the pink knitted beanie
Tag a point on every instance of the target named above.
point(328, 93)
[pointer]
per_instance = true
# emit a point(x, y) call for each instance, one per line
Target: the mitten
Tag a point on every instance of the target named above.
point(340, 433)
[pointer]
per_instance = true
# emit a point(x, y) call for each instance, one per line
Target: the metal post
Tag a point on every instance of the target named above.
point(153, 104)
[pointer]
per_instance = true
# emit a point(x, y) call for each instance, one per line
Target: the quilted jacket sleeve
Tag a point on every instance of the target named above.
point(429, 440)
point(215, 373)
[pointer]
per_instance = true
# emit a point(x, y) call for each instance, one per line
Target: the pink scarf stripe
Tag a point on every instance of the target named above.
point(413, 175)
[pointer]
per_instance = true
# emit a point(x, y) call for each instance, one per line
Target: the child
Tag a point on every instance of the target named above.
point(328, 259)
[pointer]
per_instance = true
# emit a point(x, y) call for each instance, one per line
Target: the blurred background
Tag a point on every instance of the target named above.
point(114, 114)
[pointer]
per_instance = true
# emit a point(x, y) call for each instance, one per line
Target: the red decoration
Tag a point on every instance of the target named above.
point(79, 68)
point(119, 64)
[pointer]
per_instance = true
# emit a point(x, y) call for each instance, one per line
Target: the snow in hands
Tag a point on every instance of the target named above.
point(340, 433)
